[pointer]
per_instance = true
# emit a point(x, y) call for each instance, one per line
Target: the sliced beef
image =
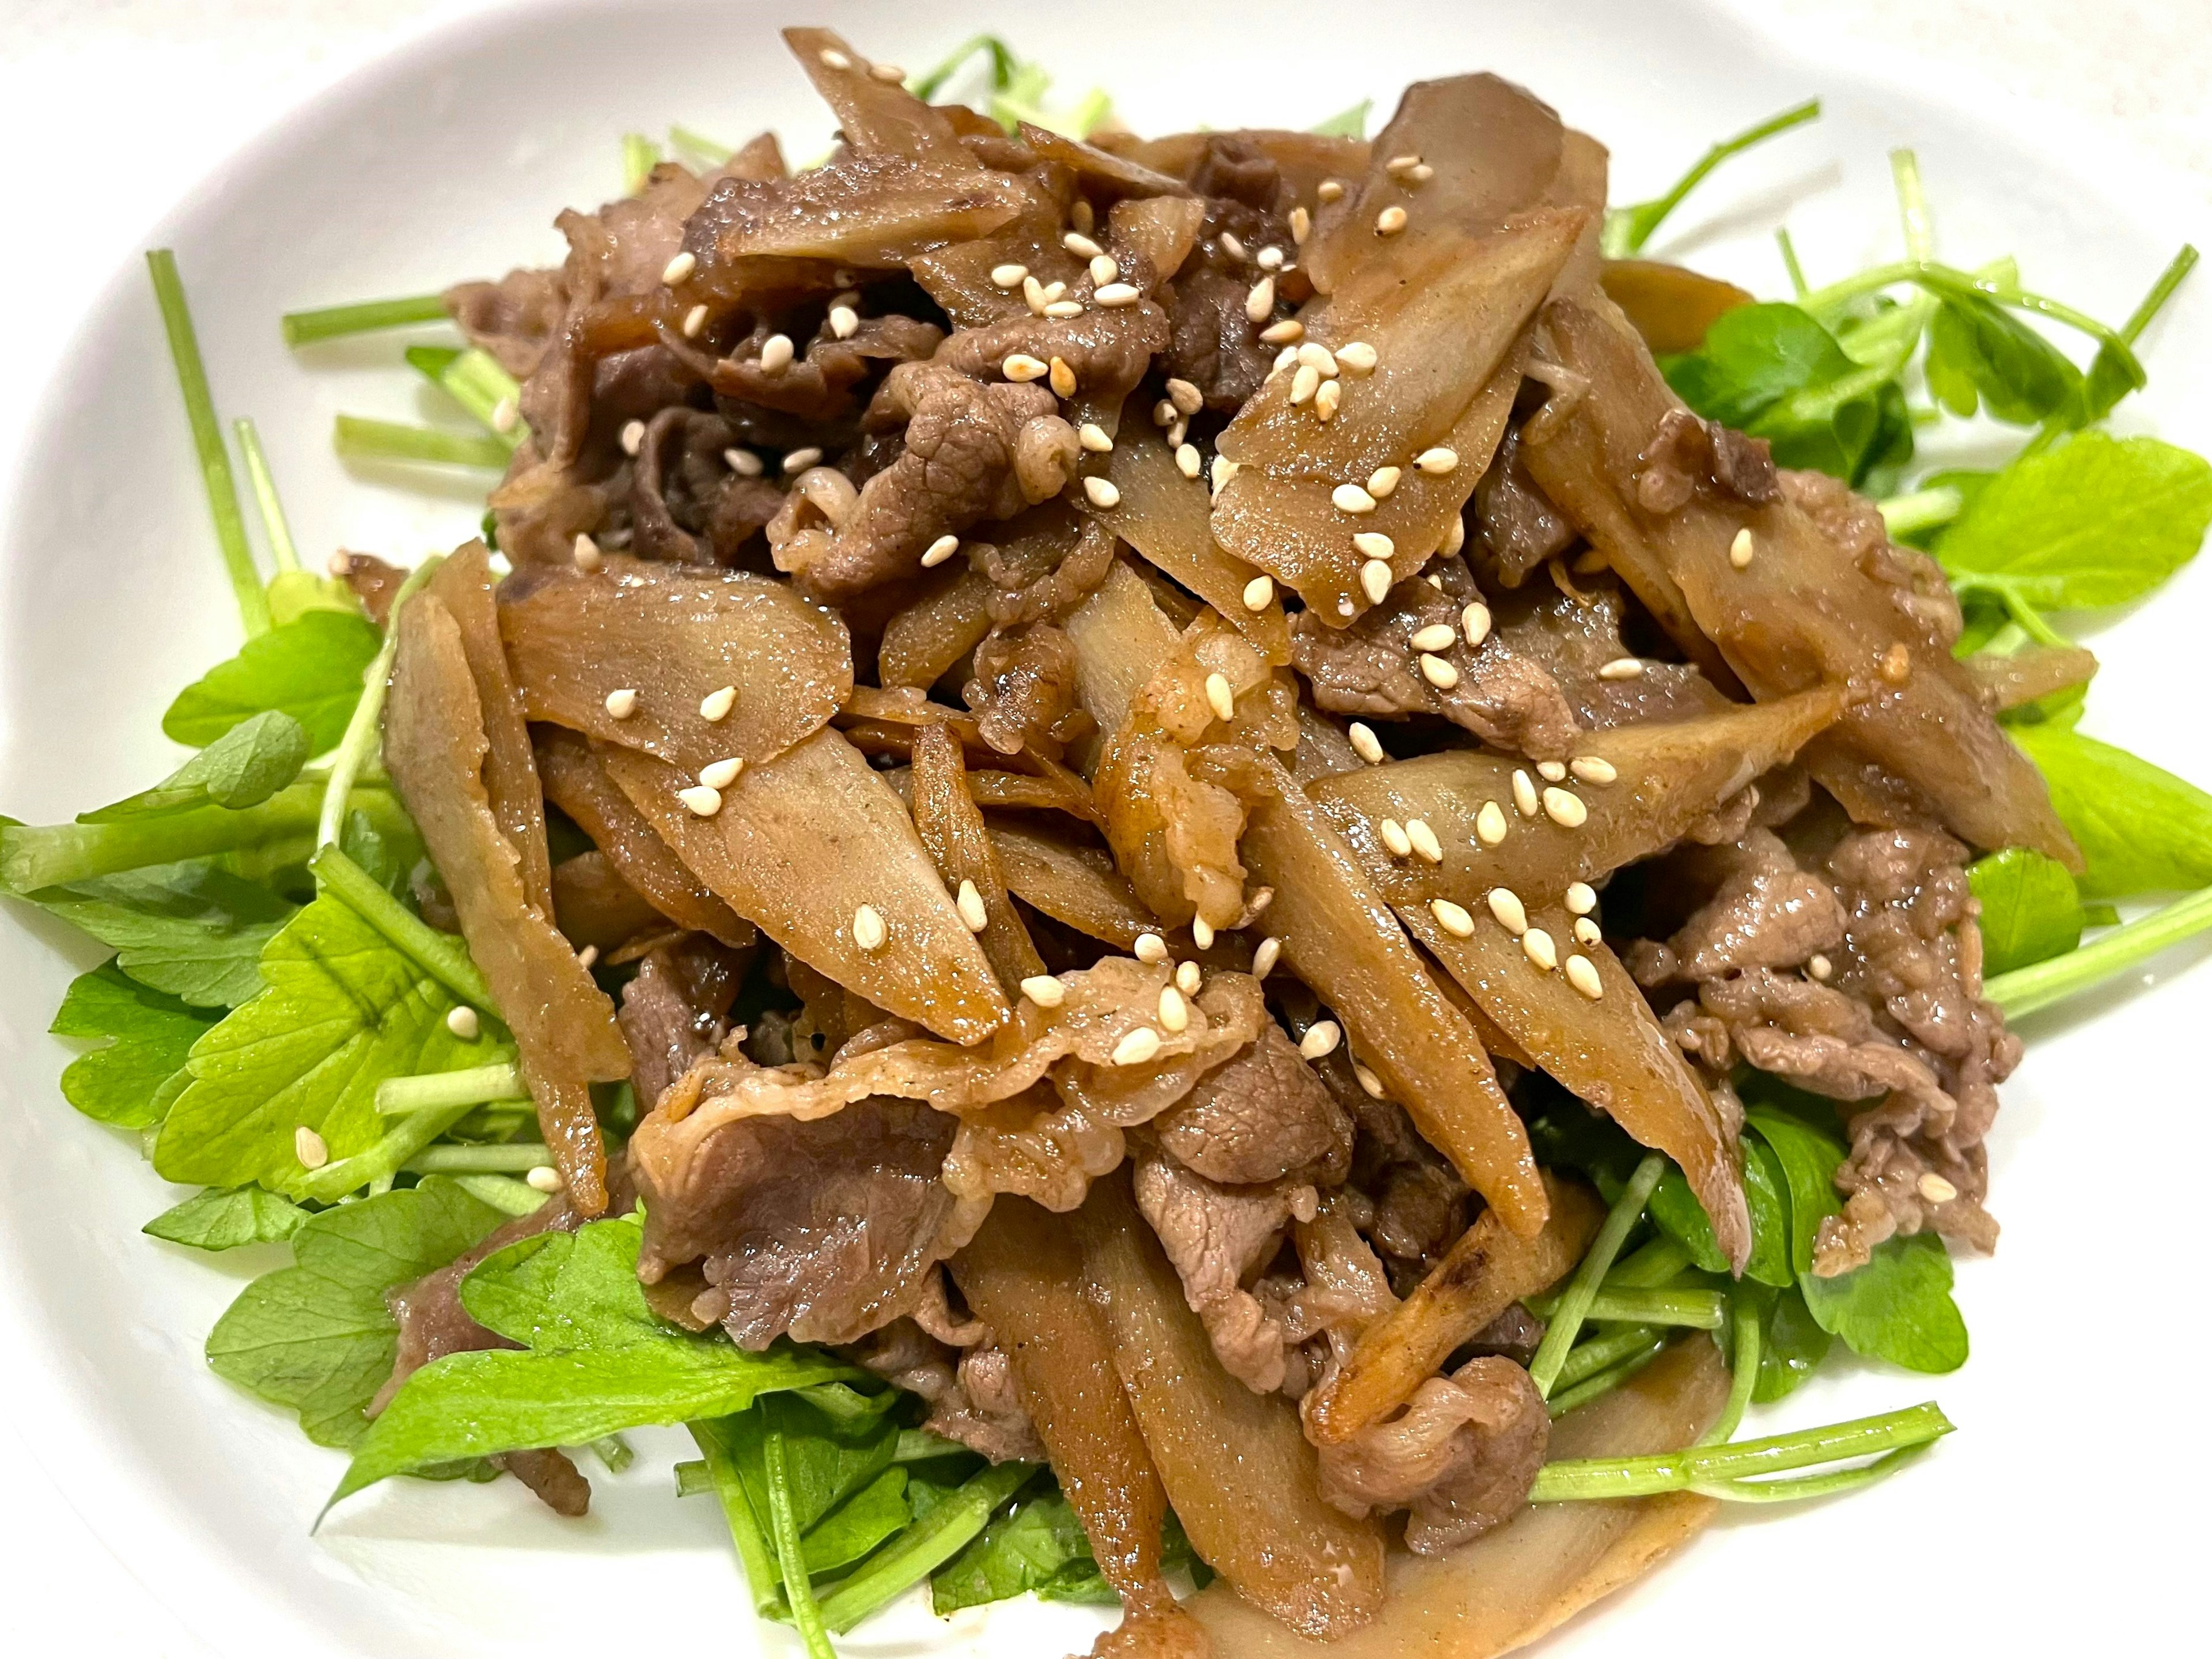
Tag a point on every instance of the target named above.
point(1024, 691)
point(1573, 636)
point(672, 1011)
point(1219, 1238)
point(1519, 526)
point(987, 1419)
point(1263, 1117)
point(1765, 912)
point(514, 318)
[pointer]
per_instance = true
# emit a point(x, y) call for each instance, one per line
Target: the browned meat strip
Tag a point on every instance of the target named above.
point(1765, 912)
point(1519, 526)
point(969, 1392)
point(671, 1012)
point(1219, 1238)
point(1264, 1116)
point(514, 318)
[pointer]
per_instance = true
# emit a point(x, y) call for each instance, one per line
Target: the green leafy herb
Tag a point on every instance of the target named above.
point(1574, 1305)
point(2031, 909)
point(1808, 1160)
point(335, 322)
point(193, 929)
point(220, 1220)
point(2141, 829)
point(310, 669)
point(255, 843)
point(791, 1551)
point(1628, 228)
point(475, 380)
point(1980, 356)
point(1039, 1545)
point(1898, 1307)
point(1677, 1212)
point(242, 768)
point(940, 1532)
point(317, 1337)
point(148, 1035)
point(639, 155)
point(1792, 1345)
point(1347, 123)
point(2027, 989)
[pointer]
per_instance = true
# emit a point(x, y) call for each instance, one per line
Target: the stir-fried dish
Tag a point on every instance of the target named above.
point(1196, 872)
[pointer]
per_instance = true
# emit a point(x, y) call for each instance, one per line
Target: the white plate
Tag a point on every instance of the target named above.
point(2045, 1524)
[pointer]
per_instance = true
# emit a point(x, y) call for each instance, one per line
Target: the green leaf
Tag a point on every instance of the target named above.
point(857, 1526)
point(2031, 909)
point(149, 1036)
point(1898, 1307)
point(1979, 352)
point(2096, 521)
point(595, 1361)
point(220, 1220)
point(1678, 1213)
point(311, 668)
point(2141, 829)
point(342, 1010)
point(317, 1338)
point(1791, 1347)
point(1039, 1545)
point(1347, 123)
point(1809, 1161)
point(242, 768)
point(191, 929)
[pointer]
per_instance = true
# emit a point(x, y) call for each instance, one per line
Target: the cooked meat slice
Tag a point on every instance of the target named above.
point(1219, 1237)
point(1264, 1116)
point(1023, 692)
point(1765, 912)
point(987, 1419)
point(549, 1472)
point(671, 1012)
point(1518, 524)
point(1573, 637)
point(514, 318)
point(372, 582)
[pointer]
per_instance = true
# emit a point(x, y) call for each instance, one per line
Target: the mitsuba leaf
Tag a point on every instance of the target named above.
point(311, 668)
point(1039, 1545)
point(317, 1338)
point(1677, 1212)
point(220, 1220)
point(2141, 829)
point(1981, 354)
point(193, 929)
point(242, 768)
point(1791, 1348)
point(1808, 1160)
point(595, 1361)
point(148, 1035)
point(2031, 909)
point(1898, 1307)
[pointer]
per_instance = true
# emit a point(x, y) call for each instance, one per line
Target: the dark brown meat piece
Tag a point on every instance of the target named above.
point(1518, 524)
point(1218, 1238)
point(1024, 690)
point(371, 581)
point(1264, 1116)
point(672, 1011)
point(969, 1392)
point(1765, 912)
point(1572, 636)
point(514, 318)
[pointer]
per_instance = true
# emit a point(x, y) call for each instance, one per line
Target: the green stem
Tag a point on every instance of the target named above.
point(753, 1553)
point(207, 439)
point(700, 145)
point(264, 484)
point(1604, 1352)
point(1947, 280)
point(1627, 229)
point(639, 155)
point(1800, 1488)
point(1606, 1381)
point(2030, 620)
point(475, 380)
point(1922, 509)
point(1911, 204)
point(441, 955)
point(517, 1158)
point(357, 437)
point(2064, 420)
point(1655, 1264)
point(920, 1445)
point(1697, 1309)
point(1798, 286)
point(791, 1551)
point(614, 1452)
point(392, 1152)
point(1743, 1315)
point(364, 728)
point(927, 85)
point(1567, 1322)
point(503, 1192)
point(334, 322)
point(2025, 990)
point(476, 1086)
point(1676, 1471)
point(924, 1546)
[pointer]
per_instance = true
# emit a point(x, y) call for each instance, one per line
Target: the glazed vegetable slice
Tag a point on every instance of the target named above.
point(953, 830)
point(1672, 307)
point(1485, 1273)
point(932, 635)
point(801, 845)
point(1073, 882)
point(1244, 1482)
point(564, 1026)
point(1923, 746)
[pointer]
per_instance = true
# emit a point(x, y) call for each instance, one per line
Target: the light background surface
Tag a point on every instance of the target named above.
point(111, 109)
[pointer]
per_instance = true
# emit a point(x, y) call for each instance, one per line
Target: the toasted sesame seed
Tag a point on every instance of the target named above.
point(1270, 258)
point(1259, 591)
point(1080, 245)
point(1564, 808)
point(1420, 175)
point(1062, 376)
point(585, 552)
point(1177, 433)
point(1137, 1046)
point(777, 353)
point(1102, 492)
point(1374, 544)
point(1151, 947)
point(744, 463)
point(1512, 916)
point(1538, 946)
point(1319, 358)
point(1366, 744)
point(1368, 1083)
point(1187, 398)
point(869, 932)
point(1284, 333)
point(1588, 931)
point(633, 436)
point(1452, 918)
point(1375, 576)
point(1622, 668)
point(506, 412)
point(1350, 498)
point(1009, 275)
point(1033, 295)
point(1113, 295)
point(1103, 270)
point(1222, 471)
point(463, 1023)
point(1189, 462)
point(1740, 550)
point(1551, 771)
point(1437, 636)
point(1474, 624)
point(1061, 310)
point(1397, 164)
point(1330, 189)
point(622, 704)
point(800, 459)
point(1265, 958)
point(1583, 974)
point(940, 551)
point(1233, 246)
point(1581, 898)
point(1219, 697)
point(1390, 220)
point(1201, 932)
point(1304, 383)
point(1425, 840)
point(1052, 291)
point(703, 800)
point(1188, 977)
point(1356, 357)
point(1383, 480)
point(968, 902)
point(695, 323)
point(1936, 1190)
point(832, 58)
point(1524, 793)
point(310, 1148)
point(1044, 990)
point(543, 1178)
point(1174, 1013)
point(1438, 672)
point(1490, 824)
point(1321, 1039)
point(1083, 216)
point(1260, 303)
point(1820, 967)
point(1326, 397)
point(1896, 664)
point(722, 773)
point(1022, 367)
point(889, 73)
point(1092, 436)
point(1437, 461)
point(1393, 837)
point(679, 269)
point(1301, 225)
point(1455, 535)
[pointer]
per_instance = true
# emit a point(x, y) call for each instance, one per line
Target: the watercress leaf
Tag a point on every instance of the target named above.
point(341, 1010)
point(317, 1338)
point(1766, 1190)
point(1898, 1307)
point(148, 1034)
point(1347, 123)
point(242, 768)
point(1753, 357)
point(192, 930)
point(2141, 829)
point(1976, 345)
point(597, 1361)
point(1029, 1549)
point(2096, 521)
point(220, 1220)
point(1676, 1212)
point(855, 1527)
point(1809, 1161)
point(293, 593)
point(1791, 1348)
point(311, 668)
point(2031, 909)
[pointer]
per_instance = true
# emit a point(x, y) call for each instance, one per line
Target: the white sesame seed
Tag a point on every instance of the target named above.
point(1330, 189)
point(1222, 471)
point(679, 269)
point(1304, 384)
point(1537, 946)
point(1319, 358)
point(1390, 220)
point(1350, 498)
point(1137, 1046)
point(1177, 433)
point(1260, 303)
point(1366, 744)
point(800, 459)
point(1583, 974)
point(461, 1020)
point(543, 1178)
point(1188, 977)
point(1232, 246)
point(1022, 367)
point(1151, 947)
point(1474, 623)
point(1189, 462)
point(1271, 258)
point(506, 412)
point(310, 1148)
point(832, 58)
point(1092, 436)
point(1009, 275)
point(633, 436)
point(1187, 398)
point(1512, 916)
point(586, 553)
point(1594, 769)
point(968, 902)
point(1326, 397)
point(1063, 377)
point(1740, 550)
point(703, 800)
point(1102, 492)
point(695, 322)
point(1367, 1080)
point(1564, 808)
point(1936, 1190)
point(940, 551)
point(1301, 225)
point(1622, 668)
point(1201, 932)
point(1524, 793)
point(1044, 990)
point(1551, 771)
point(722, 773)
point(1373, 544)
point(622, 704)
point(1033, 295)
point(1080, 245)
point(1283, 334)
point(1219, 697)
point(1819, 967)
point(1083, 216)
point(1382, 481)
point(1397, 164)
point(1437, 636)
point(1374, 575)
point(1103, 270)
point(1114, 295)
point(1052, 291)
point(1437, 461)
point(1356, 357)
point(1061, 310)
point(1587, 931)
point(1452, 918)
point(889, 73)
point(1490, 824)
point(1259, 592)
point(777, 352)
point(744, 463)
point(844, 321)
point(1455, 535)
point(1425, 840)
point(869, 932)
point(1581, 898)
point(1174, 1013)
point(1395, 838)
point(1438, 672)
point(1420, 175)
point(1321, 1039)
point(1265, 958)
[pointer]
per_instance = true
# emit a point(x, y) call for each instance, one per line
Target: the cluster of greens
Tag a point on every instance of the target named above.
point(273, 1022)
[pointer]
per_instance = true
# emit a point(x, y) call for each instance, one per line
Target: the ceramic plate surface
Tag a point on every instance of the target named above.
point(2050, 1523)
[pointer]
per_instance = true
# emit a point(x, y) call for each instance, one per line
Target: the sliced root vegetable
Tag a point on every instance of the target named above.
point(1243, 1481)
point(1073, 881)
point(953, 830)
point(1122, 637)
point(1488, 1270)
point(1166, 517)
point(1672, 307)
point(797, 845)
point(930, 637)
